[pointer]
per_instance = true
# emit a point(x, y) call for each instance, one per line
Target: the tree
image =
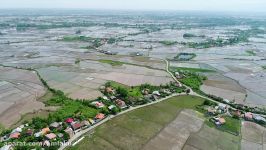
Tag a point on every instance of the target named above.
point(188, 91)
point(77, 61)
point(115, 110)
point(39, 123)
point(122, 92)
point(78, 32)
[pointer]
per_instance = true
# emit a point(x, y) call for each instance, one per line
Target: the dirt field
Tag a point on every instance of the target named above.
point(224, 87)
point(253, 136)
point(212, 139)
point(83, 81)
point(175, 134)
point(19, 90)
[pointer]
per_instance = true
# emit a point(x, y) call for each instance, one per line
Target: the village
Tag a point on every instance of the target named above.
point(125, 80)
point(116, 99)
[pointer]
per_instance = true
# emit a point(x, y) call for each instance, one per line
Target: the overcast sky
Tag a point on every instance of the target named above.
point(205, 5)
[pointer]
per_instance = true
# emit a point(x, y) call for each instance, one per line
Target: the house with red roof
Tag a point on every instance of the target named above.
point(14, 135)
point(45, 131)
point(97, 104)
point(76, 126)
point(248, 116)
point(50, 136)
point(120, 103)
point(69, 120)
point(99, 116)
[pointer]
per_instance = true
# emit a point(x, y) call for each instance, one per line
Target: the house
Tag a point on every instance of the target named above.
point(222, 107)
point(259, 118)
point(121, 104)
point(97, 104)
point(112, 97)
point(219, 121)
point(148, 97)
point(29, 132)
point(38, 134)
point(236, 113)
point(55, 125)
point(226, 101)
point(85, 123)
point(110, 90)
point(166, 91)
point(177, 75)
point(102, 88)
point(69, 120)
point(211, 111)
point(91, 121)
point(248, 116)
point(69, 131)
point(7, 147)
point(45, 131)
point(50, 136)
point(60, 135)
point(111, 107)
point(105, 98)
point(157, 93)
point(100, 116)
point(76, 126)
point(18, 129)
point(178, 84)
point(14, 135)
point(145, 91)
point(222, 120)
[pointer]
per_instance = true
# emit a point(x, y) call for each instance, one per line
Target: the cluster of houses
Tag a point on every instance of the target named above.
point(62, 131)
point(254, 117)
point(157, 94)
point(54, 132)
point(110, 96)
point(222, 109)
point(217, 112)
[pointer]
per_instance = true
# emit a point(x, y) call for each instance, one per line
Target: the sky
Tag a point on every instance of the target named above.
point(201, 5)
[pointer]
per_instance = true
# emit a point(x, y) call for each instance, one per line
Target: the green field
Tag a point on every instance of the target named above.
point(194, 70)
point(1, 128)
point(251, 53)
point(212, 139)
point(231, 125)
point(132, 130)
point(132, 91)
point(111, 62)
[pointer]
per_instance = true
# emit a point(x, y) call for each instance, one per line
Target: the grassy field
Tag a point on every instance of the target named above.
point(232, 125)
point(134, 92)
point(111, 62)
point(1, 128)
point(28, 117)
point(211, 139)
point(251, 53)
point(194, 70)
point(132, 130)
